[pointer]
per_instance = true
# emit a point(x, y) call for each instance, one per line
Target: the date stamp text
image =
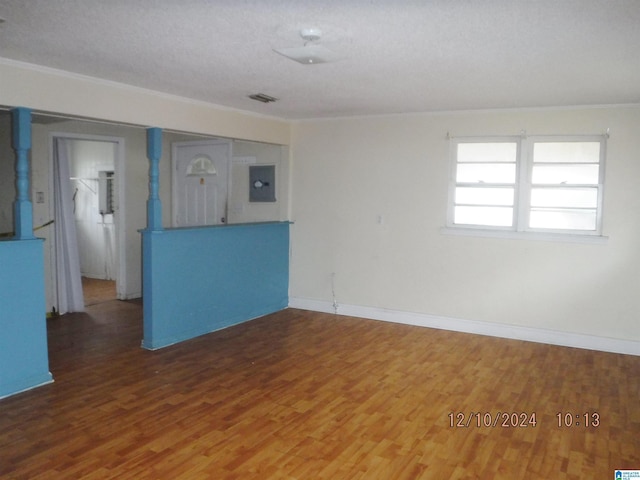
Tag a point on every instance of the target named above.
point(492, 420)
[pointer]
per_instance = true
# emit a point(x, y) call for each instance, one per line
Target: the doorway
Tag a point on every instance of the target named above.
point(200, 182)
point(94, 164)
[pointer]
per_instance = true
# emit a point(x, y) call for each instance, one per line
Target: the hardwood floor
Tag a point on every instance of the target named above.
point(301, 395)
point(98, 291)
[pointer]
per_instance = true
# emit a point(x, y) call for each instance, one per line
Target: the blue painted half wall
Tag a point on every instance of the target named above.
point(198, 280)
point(24, 359)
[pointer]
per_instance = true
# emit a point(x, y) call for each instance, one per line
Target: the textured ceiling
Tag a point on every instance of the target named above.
point(396, 55)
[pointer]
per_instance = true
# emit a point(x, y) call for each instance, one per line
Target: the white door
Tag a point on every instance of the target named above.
point(200, 182)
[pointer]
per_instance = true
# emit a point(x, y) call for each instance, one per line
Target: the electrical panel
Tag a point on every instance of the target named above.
point(262, 183)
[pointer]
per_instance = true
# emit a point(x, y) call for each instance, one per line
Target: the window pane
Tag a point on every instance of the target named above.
point(487, 152)
point(484, 196)
point(564, 197)
point(491, 216)
point(578, 152)
point(565, 174)
point(486, 173)
point(563, 219)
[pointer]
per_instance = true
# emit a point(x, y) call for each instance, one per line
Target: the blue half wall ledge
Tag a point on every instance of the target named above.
point(201, 279)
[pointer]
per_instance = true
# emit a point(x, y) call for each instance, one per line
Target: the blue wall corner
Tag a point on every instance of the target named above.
point(198, 280)
point(24, 360)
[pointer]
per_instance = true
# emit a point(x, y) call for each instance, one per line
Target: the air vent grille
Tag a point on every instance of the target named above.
point(261, 97)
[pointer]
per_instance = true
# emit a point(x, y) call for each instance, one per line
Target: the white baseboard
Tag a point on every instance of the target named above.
point(22, 390)
point(539, 335)
point(129, 296)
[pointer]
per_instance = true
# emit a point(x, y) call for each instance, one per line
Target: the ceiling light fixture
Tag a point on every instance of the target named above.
point(310, 53)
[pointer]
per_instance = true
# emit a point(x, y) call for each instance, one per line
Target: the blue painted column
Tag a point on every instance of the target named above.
point(21, 142)
point(154, 152)
point(24, 361)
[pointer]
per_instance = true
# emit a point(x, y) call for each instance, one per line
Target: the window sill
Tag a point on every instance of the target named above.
point(538, 236)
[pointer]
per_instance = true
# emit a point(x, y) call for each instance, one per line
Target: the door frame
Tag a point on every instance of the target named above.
point(120, 210)
point(174, 169)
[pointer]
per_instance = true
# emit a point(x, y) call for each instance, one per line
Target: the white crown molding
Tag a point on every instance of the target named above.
point(479, 111)
point(515, 332)
point(110, 83)
point(124, 86)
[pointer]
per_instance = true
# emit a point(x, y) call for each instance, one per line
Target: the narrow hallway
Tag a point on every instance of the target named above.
point(98, 291)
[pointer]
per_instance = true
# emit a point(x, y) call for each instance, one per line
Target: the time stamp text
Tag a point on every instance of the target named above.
point(520, 419)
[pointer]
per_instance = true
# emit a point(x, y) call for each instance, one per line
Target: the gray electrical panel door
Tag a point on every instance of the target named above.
point(262, 183)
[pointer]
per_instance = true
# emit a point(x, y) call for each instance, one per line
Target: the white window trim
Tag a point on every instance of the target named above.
point(524, 168)
point(464, 231)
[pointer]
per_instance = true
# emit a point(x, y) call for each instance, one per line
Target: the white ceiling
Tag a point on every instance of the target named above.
point(397, 55)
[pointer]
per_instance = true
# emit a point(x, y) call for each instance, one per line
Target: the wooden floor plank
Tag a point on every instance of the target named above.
point(302, 395)
point(97, 291)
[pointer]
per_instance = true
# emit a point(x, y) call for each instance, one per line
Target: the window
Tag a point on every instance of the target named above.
point(105, 190)
point(533, 184)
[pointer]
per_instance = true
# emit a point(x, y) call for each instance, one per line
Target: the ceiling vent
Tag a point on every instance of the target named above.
point(261, 97)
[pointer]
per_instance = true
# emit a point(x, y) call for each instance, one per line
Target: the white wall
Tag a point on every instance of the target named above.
point(370, 198)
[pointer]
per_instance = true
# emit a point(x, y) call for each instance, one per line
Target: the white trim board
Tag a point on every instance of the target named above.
point(538, 335)
point(127, 87)
point(42, 384)
point(130, 295)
